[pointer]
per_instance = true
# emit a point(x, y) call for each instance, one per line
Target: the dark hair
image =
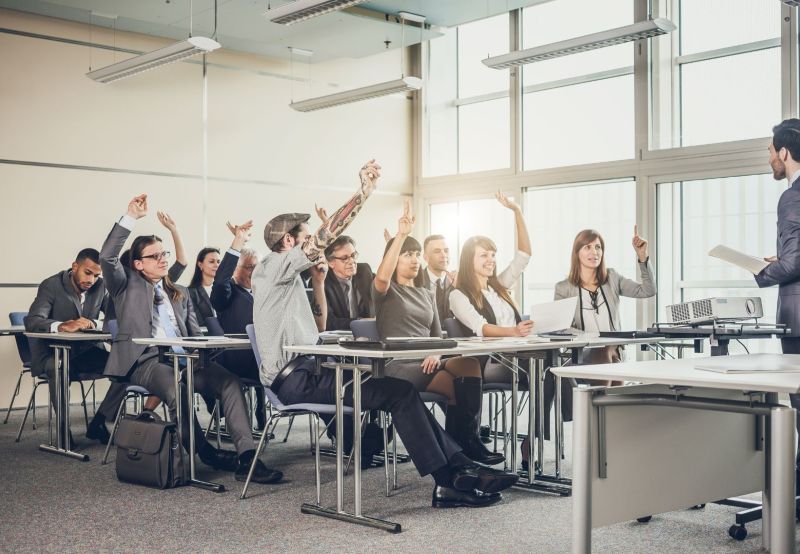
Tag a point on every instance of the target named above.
point(139, 244)
point(88, 254)
point(409, 245)
point(338, 243)
point(786, 134)
point(294, 231)
point(430, 238)
point(197, 278)
point(468, 281)
point(583, 238)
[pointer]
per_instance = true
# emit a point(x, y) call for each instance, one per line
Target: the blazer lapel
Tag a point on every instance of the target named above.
point(66, 281)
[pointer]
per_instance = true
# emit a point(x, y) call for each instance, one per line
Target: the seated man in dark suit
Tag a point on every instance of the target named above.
point(435, 277)
point(69, 301)
point(348, 285)
point(150, 305)
point(232, 299)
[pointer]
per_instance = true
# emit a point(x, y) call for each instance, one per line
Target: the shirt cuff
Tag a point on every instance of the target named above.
point(54, 326)
point(234, 252)
point(127, 221)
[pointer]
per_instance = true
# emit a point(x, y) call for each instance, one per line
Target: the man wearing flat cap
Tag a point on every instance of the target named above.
point(282, 316)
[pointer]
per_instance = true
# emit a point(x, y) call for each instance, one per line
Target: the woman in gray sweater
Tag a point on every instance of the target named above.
point(404, 310)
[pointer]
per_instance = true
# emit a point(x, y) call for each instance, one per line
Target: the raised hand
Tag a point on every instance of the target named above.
point(322, 214)
point(406, 222)
point(506, 201)
point(369, 174)
point(387, 236)
point(639, 244)
point(166, 221)
point(241, 233)
point(137, 208)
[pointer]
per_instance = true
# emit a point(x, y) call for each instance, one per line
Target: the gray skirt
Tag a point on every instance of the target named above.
point(411, 370)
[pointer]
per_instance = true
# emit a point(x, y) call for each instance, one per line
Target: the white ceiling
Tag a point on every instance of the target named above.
point(356, 32)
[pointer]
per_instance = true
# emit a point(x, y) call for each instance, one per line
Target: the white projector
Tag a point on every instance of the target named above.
point(715, 309)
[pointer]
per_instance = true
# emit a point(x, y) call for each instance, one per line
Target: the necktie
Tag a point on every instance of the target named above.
point(162, 319)
point(351, 299)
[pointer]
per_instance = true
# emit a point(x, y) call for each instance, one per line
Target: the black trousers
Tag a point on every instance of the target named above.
point(791, 345)
point(88, 360)
point(429, 446)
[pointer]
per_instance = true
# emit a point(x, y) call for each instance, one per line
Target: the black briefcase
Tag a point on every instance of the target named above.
point(148, 452)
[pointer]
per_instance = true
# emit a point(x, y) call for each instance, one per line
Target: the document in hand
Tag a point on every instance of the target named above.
point(553, 316)
point(745, 261)
point(754, 363)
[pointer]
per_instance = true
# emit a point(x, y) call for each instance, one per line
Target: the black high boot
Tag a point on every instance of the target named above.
point(466, 420)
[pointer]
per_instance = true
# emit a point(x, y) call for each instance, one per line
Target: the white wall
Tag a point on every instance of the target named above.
point(144, 134)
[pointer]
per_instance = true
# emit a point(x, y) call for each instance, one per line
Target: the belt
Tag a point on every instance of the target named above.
point(287, 370)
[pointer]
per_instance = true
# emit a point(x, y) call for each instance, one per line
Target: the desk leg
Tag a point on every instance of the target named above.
point(538, 371)
point(63, 446)
point(339, 440)
point(216, 487)
point(357, 438)
point(559, 428)
point(514, 431)
point(780, 501)
point(582, 471)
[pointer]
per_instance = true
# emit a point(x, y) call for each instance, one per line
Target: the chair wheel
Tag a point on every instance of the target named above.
point(644, 519)
point(738, 532)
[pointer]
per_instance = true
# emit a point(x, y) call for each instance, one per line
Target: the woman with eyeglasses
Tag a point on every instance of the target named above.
point(404, 310)
point(599, 288)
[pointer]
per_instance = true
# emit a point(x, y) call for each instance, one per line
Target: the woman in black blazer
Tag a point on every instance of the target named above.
point(205, 269)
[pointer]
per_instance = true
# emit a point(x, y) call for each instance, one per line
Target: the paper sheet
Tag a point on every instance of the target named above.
point(750, 263)
point(553, 316)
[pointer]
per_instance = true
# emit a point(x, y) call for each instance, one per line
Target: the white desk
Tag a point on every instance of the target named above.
point(630, 451)
point(13, 330)
point(60, 343)
point(203, 347)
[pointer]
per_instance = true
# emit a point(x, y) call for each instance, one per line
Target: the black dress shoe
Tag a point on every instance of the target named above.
point(484, 479)
point(97, 431)
point(225, 460)
point(261, 474)
point(446, 497)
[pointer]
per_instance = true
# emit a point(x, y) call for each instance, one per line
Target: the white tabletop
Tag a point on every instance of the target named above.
point(13, 330)
point(202, 343)
point(611, 341)
point(70, 337)
point(683, 372)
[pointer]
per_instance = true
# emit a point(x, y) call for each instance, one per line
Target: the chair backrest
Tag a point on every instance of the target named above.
point(23, 348)
point(113, 328)
point(454, 328)
point(365, 328)
point(271, 396)
point(214, 327)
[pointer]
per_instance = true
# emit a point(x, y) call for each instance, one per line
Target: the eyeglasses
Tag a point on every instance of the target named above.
point(345, 259)
point(158, 256)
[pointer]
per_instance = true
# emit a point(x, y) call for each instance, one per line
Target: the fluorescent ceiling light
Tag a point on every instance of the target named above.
point(300, 10)
point(382, 89)
point(635, 31)
point(150, 60)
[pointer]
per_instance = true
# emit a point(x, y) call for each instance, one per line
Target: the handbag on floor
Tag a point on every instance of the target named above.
point(148, 452)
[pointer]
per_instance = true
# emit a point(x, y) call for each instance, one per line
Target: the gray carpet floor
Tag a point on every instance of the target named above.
point(54, 504)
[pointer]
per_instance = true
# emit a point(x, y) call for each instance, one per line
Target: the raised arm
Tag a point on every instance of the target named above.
point(523, 239)
point(222, 289)
point(344, 216)
point(383, 277)
point(113, 273)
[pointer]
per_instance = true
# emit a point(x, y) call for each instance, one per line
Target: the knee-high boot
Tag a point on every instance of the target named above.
point(464, 420)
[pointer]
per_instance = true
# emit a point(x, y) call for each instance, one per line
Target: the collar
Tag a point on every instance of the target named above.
point(432, 276)
point(346, 281)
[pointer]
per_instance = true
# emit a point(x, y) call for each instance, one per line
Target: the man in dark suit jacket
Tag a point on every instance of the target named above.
point(784, 267)
point(69, 301)
point(150, 305)
point(348, 285)
point(435, 276)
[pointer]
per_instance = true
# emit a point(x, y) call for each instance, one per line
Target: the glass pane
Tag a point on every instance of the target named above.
point(711, 24)
point(584, 123)
point(732, 98)
point(695, 216)
point(484, 136)
point(458, 221)
point(440, 117)
point(555, 215)
point(542, 24)
point(477, 41)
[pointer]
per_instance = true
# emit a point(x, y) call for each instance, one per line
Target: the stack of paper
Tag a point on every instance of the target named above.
point(750, 263)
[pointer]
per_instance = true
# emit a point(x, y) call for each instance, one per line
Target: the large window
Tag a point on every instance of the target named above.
point(556, 214)
point(695, 216)
point(718, 77)
point(467, 117)
point(577, 109)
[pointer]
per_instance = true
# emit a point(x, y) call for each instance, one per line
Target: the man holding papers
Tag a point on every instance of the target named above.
point(784, 268)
